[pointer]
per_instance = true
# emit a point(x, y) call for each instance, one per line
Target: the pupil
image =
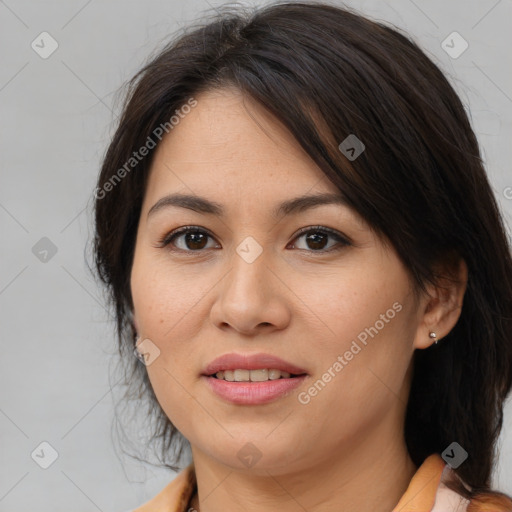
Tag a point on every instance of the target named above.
point(194, 239)
point(314, 238)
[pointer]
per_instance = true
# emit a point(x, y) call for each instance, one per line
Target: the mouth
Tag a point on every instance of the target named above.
point(252, 378)
point(254, 375)
point(253, 392)
point(251, 367)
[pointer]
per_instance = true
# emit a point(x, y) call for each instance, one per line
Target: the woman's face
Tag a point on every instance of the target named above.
point(247, 282)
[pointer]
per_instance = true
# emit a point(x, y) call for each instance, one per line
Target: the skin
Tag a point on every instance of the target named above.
point(294, 301)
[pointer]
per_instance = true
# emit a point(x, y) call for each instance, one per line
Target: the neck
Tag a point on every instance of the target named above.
point(368, 475)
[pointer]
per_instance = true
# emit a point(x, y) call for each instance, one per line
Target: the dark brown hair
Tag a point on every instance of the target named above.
point(327, 72)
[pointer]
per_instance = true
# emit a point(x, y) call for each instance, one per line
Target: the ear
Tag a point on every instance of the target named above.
point(439, 310)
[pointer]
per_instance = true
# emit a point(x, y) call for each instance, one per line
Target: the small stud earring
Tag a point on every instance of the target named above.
point(433, 335)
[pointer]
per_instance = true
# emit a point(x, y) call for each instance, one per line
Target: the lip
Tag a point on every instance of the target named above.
point(234, 361)
point(253, 393)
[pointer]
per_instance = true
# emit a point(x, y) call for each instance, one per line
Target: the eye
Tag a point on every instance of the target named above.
point(194, 238)
point(316, 237)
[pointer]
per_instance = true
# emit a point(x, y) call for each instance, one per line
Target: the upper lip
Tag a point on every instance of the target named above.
point(235, 361)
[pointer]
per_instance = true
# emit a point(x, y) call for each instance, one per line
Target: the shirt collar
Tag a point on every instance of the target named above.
point(421, 492)
point(420, 495)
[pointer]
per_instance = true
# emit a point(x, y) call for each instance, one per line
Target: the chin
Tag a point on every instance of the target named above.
point(256, 455)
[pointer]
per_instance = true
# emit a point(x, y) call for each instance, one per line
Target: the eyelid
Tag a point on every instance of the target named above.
point(341, 238)
point(333, 232)
point(166, 239)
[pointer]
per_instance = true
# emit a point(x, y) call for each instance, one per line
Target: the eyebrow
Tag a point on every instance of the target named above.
point(202, 205)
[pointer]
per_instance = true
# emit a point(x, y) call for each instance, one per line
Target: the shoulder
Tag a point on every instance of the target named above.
point(174, 497)
point(429, 490)
point(447, 499)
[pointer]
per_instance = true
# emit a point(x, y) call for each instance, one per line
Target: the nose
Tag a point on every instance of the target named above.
point(252, 298)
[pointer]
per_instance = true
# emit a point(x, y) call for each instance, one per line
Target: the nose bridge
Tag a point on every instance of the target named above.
point(249, 296)
point(248, 279)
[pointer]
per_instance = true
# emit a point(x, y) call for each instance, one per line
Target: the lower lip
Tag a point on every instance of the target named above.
point(253, 393)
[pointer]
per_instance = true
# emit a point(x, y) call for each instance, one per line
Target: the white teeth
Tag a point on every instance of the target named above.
point(259, 375)
point(275, 374)
point(242, 375)
point(229, 375)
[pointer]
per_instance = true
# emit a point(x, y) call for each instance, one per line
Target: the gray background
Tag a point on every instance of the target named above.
point(57, 115)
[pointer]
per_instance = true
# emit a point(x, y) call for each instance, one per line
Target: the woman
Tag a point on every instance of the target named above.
point(302, 246)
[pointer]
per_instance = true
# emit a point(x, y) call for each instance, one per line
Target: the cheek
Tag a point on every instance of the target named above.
point(163, 295)
point(367, 320)
point(167, 303)
point(161, 302)
point(360, 371)
point(363, 303)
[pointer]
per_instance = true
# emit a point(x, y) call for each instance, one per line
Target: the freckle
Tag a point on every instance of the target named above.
point(161, 320)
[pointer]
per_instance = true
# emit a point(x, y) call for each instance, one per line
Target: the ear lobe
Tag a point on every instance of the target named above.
point(443, 306)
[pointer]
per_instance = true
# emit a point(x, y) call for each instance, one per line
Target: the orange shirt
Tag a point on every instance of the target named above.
point(426, 491)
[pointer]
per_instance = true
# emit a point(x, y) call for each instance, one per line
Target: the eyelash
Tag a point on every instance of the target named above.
point(342, 241)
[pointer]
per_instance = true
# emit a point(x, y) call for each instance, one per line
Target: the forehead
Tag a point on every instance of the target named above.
point(230, 140)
